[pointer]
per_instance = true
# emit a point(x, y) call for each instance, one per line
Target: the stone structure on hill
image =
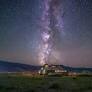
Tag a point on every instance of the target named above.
point(52, 70)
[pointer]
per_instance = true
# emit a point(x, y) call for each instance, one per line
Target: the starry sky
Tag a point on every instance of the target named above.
point(20, 35)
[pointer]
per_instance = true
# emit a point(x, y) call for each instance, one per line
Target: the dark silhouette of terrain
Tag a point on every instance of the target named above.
point(17, 67)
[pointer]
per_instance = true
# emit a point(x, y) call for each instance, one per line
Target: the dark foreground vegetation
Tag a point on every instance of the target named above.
point(16, 83)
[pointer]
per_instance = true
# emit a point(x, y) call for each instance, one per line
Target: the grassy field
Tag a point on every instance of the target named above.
point(44, 84)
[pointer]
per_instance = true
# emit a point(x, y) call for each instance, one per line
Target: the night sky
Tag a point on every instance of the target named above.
point(20, 32)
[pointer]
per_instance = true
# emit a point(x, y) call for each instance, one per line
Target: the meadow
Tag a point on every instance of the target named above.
point(20, 83)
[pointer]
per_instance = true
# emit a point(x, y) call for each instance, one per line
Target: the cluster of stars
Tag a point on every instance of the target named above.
point(51, 20)
point(45, 46)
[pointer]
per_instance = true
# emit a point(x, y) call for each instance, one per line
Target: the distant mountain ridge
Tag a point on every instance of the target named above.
point(76, 69)
point(17, 67)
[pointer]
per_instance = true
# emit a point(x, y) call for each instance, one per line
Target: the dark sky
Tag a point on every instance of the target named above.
point(20, 36)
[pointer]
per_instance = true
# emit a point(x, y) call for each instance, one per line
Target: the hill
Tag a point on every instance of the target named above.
point(17, 67)
point(76, 69)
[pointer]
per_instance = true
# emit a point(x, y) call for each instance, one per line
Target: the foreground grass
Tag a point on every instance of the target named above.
point(45, 84)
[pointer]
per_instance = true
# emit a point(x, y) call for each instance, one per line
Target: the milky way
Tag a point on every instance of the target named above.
point(50, 22)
